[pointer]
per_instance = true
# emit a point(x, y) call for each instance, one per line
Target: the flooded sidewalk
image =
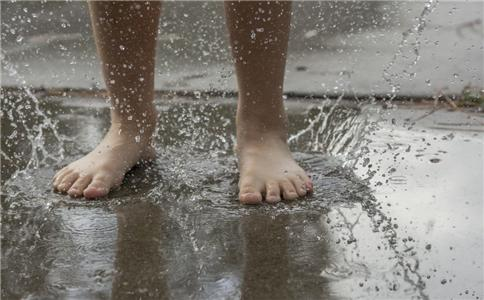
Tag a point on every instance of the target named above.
point(401, 219)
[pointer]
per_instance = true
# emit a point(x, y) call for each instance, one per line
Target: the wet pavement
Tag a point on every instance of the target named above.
point(399, 218)
point(359, 47)
point(397, 211)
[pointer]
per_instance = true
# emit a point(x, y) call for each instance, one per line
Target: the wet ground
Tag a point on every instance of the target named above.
point(396, 213)
point(398, 207)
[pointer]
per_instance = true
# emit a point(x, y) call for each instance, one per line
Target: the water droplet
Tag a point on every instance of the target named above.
point(121, 47)
point(311, 33)
point(19, 39)
point(137, 139)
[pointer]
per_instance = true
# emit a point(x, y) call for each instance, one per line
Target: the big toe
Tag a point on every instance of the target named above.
point(250, 198)
point(250, 195)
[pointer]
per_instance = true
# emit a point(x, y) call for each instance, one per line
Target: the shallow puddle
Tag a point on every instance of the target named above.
point(175, 228)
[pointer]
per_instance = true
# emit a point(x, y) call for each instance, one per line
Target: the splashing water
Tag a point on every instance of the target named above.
point(321, 135)
point(19, 111)
point(193, 179)
point(411, 37)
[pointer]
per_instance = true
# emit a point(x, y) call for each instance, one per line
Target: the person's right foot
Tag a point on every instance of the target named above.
point(95, 174)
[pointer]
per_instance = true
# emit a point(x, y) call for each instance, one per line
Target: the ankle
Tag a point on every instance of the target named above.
point(259, 125)
point(139, 126)
point(258, 139)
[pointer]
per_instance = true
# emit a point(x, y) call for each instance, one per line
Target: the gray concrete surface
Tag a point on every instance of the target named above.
point(335, 47)
point(398, 207)
point(403, 220)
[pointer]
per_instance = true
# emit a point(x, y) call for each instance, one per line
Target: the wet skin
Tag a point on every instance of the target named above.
point(267, 169)
point(126, 44)
point(103, 169)
point(268, 172)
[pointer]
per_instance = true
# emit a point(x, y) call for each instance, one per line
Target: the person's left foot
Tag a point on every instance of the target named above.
point(268, 171)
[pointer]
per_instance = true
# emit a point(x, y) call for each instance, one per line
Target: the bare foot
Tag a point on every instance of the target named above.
point(95, 174)
point(268, 171)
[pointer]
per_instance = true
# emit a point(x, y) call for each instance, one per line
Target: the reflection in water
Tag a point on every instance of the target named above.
point(138, 266)
point(266, 261)
point(276, 257)
point(175, 228)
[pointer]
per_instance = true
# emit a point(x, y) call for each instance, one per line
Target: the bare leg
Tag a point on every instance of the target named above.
point(259, 34)
point(125, 37)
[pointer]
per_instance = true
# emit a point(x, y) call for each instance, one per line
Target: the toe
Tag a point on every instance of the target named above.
point(67, 182)
point(308, 183)
point(288, 190)
point(79, 186)
point(273, 193)
point(309, 187)
point(99, 187)
point(250, 195)
point(59, 177)
point(250, 198)
point(59, 174)
point(299, 185)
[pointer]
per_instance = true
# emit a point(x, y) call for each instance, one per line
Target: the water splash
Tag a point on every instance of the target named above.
point(195, 187)
point(332, 129)
point(30, 122)
point(412, 37)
